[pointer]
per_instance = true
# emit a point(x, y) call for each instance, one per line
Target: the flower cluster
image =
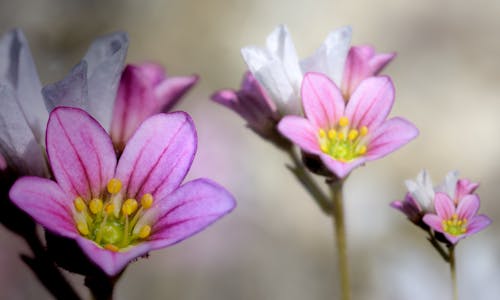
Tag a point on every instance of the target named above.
point(450, 208)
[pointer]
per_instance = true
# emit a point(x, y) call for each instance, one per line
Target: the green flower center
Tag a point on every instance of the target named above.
point(455, 226)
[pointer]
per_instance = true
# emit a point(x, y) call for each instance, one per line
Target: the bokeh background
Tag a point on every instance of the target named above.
point(277, 244)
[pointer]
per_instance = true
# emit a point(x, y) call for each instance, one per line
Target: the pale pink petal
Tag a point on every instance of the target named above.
point(477, 224)
point(170, 91)
point(468, 207)
point(301, 132)
point(188, 210)
point(371, 102)
point(44, 200)
point(434, 222)
point(465, 187)
point(390, 136)
point(112, 262)
point(454, 238)
point(158, 156)
point(341, 169)
point(322, 101)
point(444, 206)
point(80, 152)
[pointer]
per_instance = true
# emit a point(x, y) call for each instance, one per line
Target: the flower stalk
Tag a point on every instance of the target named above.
point(340, 235)
point(453, 271)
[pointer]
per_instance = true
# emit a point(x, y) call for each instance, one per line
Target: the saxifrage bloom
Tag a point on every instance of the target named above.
point(117, 211)
point(456, 221)
point(144, 90)
point(346, 136)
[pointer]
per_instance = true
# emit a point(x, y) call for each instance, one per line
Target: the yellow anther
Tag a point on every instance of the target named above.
point(79, 204)
point(363, 131)
point(145, 231)
point(324, 148)
point(449, 222)
point(111, 247)
point(362, 150)
point(129, 206)
point(454, 216)
point(114, 186)
point(340, 135)
point(82, 227)
point(332, 134)
point(343, 121)
point(463, 229)
point(353, 134)
point(110, 208)
point(147, 200)
point(459, 223)
point(322, 133)
point(95, 205)
point(464, 220)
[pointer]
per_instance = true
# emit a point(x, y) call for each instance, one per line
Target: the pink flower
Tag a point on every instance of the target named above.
point(456, 222)
point(346, 136)
point(253, 104)
point(144, 90)
point(362, 62)
point(117, 211)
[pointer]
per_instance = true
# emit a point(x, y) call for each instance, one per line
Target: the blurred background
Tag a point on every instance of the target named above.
point(277, 244)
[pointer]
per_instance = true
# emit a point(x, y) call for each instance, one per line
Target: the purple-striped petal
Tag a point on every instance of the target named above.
point(371, 102)
point(80, 152)
point(322, 101)
point(45, 202)
point(468, 207)
point(477, 224)
point(434, 221)
point(390, 136)
point(112, 262)
point(158, 156)
point(341, 169)
point(188, 210)
point(170, 91)
point(301, 132)
point(444, 206)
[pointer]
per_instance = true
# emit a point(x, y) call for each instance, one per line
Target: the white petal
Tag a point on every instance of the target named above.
point(105, 60)
point(330, 57)
point(18, 69)
point(449, 185)
point(256, 58)
point(422, 191)
point(17, 143)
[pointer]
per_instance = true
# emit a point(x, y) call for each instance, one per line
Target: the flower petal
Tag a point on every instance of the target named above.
point(170, 91)
point(301, 132)
point(330, 57)
point(371, 103)
point(322, 101)
point(390, 136)
point(188, 210)
point(105, 59)
point(477, 224)
point(80, 152)
point(468, 207)
point(341, 169)
point(46, 202)
point(18, 69)
point(158, 156)
point(444, 206)
point(112, 262)
point(18, 145)
point(434, 221)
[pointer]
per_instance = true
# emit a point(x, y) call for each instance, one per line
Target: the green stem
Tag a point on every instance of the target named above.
point(453, 272)
point(340, 233)
point(437, 246)
point(304, 177)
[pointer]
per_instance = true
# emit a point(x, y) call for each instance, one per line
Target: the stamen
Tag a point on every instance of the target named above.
point(114, 186)
point(363, 131)
point(341, 135)
point(95, 205)
point(343, 121)
point(147, 200)
point(79, 204)
point(353, 134)
point(109, 208)
point(362, 150)
point(322, 133)
point(145, 231)
point(82, 227)
point(111, 247)
point(332, 134)
point(129, 206)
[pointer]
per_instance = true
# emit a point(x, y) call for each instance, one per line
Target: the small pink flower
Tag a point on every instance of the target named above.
point(253, 104)
point(144, 90)
point(118, 211)
point(456, 222)
point(346, 136)
point(362, 62)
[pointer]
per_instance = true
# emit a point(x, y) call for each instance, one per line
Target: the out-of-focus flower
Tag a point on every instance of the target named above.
point(278, 70)
point(456, 222)
point(118, 211)
point(144, 90)
point(347, 136)
point(362, 62)
point(23, 118)
point(253, 104)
